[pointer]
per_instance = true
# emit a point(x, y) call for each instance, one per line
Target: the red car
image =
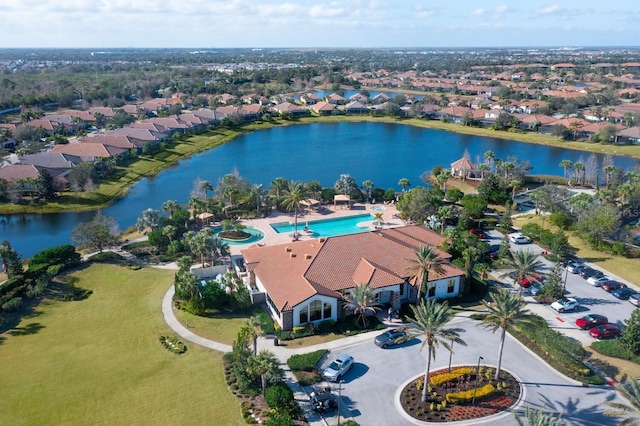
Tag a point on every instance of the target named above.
point(605, 331)
point(529, 281)
point(479, 233)
point(609, 286)
point(590, 321)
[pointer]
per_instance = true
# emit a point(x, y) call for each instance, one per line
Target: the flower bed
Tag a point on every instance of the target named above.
point(172, 344)
point(492, 396)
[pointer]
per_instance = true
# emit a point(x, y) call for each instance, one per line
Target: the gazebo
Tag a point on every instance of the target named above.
point(462, 168)
point(310, 203)
point(205, 217)
point(341, 198)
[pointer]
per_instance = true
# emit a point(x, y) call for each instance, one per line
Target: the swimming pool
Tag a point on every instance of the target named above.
point(256, 236)
point(327, 227)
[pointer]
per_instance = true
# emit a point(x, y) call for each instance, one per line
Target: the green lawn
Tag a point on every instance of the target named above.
point(97, 361)
point(222, 327)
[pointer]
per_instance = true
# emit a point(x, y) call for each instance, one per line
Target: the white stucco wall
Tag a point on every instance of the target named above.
point(305, 305)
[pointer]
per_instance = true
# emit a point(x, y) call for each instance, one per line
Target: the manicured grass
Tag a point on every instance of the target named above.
point(615, 368)
point(98, 361)
point(618, 265)
point(220, 327)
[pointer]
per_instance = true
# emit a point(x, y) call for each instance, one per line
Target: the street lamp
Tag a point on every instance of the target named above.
point(475, 386)
point(451, 353)
point(339, 396)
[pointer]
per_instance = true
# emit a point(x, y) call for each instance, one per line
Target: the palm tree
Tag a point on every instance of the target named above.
point(608, 171)
point(403, 183)
point(631, 392)
point(258, 193)
point(443, 178)
point(514, 184)
point(315, 188)
point(429, 320)
point(362, 301)
point(267, 366)
point(525, 265)
point(294, 195)
point(253, 329)
point(426, 259)
point(368, 186)
point(483, 169)
point(538, 418)
point(278, 186)
point(506, 311)
point(580, 169)
point(566, 165)
point(377, 217)
point(205, 186)
point(490, 156)
point(444, 212)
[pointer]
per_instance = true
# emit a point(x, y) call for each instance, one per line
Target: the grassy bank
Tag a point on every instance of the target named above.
point(98, 361)
point(116, 187)
point(623, 267)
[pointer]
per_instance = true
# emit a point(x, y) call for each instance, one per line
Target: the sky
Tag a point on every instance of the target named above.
point(318, 23)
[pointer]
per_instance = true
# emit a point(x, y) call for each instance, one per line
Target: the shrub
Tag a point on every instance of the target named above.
point(12, 305)
point(447, 377)
point(172, 344)
point(466, 396)
point(281, 399)
point(65, 255)
point(306, 362)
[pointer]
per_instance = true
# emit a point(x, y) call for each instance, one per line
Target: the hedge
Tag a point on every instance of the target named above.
point(466, 396)
point(306, 362)
point(447, 377)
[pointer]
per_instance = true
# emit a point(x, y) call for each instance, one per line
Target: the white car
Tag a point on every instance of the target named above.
point(565, 304)
point(520, 239)
point(597, 282)
point(338, 368)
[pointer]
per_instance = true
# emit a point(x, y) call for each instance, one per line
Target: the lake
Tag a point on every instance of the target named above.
point(380, 152)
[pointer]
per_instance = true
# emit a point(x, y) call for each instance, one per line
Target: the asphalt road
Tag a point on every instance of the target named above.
point(369, 388)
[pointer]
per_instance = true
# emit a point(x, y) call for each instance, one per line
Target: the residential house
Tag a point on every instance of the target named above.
point(309, 99)
point(293, 109)
point(629, 136)
point(307, 281)
point(380, 98)
point(359, 97)
point(324, 108)
point(356, 107)
point(335, 99)
point(90, 152)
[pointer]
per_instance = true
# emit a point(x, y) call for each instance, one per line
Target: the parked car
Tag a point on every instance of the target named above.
point(590, 272)
point(390, 337)
point(530, 280)
point(535, 289)
point(634, 299)
point(493, 251)
point(598, 281)
point(590, 321)
point(623, 293)
point(565, 304)
point(338, 368)
point(520, 239)
point(605, 331)
point(612, 285)
point(479, 233)
point(575, 267)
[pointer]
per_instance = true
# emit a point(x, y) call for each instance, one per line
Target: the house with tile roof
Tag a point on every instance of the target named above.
point(308, 281)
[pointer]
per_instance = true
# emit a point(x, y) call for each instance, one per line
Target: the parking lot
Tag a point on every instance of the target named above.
point(369, 388)
point(593, 300)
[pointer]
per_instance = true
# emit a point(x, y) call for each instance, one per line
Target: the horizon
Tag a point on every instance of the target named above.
point(373, 24)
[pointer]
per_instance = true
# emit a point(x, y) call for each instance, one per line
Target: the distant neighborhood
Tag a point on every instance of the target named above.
point(600, 106)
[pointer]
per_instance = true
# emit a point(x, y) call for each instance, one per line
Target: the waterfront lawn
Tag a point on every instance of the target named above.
point(98, 361)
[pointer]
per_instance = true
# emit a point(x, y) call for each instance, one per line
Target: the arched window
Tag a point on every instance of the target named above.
point(304, 315)
point(326, 314)
point(315, 310)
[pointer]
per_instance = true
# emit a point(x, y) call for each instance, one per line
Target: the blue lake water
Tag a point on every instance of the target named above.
point(380, 152)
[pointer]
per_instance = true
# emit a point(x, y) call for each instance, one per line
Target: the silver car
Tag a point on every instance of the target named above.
point(338, 368)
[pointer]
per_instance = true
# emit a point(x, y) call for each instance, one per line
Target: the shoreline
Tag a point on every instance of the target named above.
point(109, 192)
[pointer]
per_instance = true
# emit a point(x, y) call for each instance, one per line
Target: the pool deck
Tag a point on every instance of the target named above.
point(271, 237)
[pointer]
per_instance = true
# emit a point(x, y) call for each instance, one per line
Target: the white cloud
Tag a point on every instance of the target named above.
point(549, 10)
point(477, 13)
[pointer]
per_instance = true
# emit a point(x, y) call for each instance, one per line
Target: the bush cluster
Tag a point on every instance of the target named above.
point(306, 362)
point(466, 396)
point(447, 377)
point(172, 344)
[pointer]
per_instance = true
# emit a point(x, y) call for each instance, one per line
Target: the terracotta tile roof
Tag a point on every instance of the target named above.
point(281, 269)
point(463, 164)
point(14, 172)
point(294, 272)
point(88, 151)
